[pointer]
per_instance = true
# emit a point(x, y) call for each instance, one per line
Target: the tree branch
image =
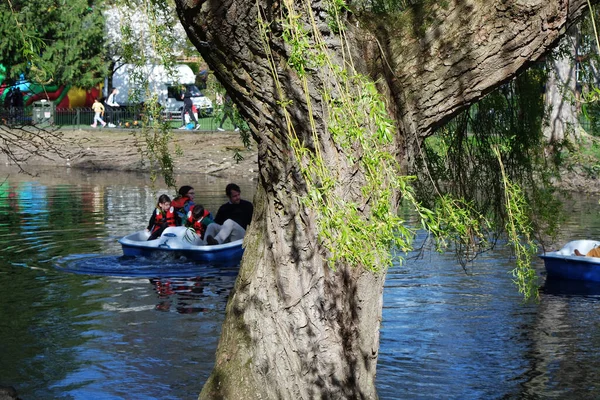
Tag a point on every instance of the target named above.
point(22, 143)
point(450, 63)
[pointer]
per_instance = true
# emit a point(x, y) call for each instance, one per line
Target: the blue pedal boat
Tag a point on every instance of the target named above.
point(564, 264)
point(180, 241)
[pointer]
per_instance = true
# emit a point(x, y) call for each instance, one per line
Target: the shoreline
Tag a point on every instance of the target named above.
point(211, 153)
point(105, 149)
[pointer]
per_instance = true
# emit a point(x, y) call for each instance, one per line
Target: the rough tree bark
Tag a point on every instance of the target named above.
point(294, 327)
point(561, 91)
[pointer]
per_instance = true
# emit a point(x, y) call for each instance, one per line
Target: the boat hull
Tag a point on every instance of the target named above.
point(178, 242)
point(564, 264)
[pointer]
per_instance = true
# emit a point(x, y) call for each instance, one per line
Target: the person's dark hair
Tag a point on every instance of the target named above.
point(230, 187)
point(163, 199)
point(184, 190)
point(197, 212)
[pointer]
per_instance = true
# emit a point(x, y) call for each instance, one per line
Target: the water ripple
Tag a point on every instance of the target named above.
point(165, 265)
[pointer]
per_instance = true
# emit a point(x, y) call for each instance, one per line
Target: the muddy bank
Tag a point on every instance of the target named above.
point(209, 153)
point(578, 179)
point(122, 150)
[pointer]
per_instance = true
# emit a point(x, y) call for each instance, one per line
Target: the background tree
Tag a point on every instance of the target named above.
point(459, 159)
point(303, 319)
point(562, 94)
point(139, 36)
point(53, 41)
point(587, 74)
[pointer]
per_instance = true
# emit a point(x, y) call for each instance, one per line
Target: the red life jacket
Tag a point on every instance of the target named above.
point(197, 225)
point(169, 216)
point(179, 202)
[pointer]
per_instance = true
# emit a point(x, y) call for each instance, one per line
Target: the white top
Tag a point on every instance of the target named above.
point(111, 100)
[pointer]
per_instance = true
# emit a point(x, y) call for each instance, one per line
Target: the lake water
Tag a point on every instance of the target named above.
point(69, 330)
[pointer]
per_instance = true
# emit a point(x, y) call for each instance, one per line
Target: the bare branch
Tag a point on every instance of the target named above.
point(22, 143)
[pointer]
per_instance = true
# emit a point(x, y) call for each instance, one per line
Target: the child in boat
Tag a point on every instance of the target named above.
point(199, 218)
point(163, 216)
point(184, 202)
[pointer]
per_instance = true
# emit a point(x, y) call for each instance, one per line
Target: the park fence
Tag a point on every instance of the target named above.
point(45, 114)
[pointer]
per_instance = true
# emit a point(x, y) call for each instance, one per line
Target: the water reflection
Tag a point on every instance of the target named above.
point(187, 290)
point(47, 221)
point(559, 287)
point(450, 333)
point(563, 356)
point(160, 265)
point(181, 285)
point(80, 321)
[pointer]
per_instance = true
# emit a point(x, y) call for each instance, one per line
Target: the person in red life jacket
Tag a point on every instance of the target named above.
point(184, 202)
point(162, 217)
point(199, 219)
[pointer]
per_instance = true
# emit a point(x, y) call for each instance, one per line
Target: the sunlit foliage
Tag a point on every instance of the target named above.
point(53, 41)
point(462, 158)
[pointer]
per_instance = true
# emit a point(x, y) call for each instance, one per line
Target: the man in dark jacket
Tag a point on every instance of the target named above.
point(187, 108)
point(8, 105)
point(8, 99)
point(232, 218)
point(18, 104)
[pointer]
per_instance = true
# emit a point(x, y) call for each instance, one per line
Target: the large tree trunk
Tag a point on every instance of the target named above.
point(295, 327)
point(561, 91)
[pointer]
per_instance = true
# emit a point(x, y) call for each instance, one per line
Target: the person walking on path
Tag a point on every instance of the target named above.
point(18, 105)
point(8, 105)
point(227, 113)
point(111, 104)
point(98, 110)
point(187, 109)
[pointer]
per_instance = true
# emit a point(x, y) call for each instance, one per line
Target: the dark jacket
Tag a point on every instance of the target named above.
point(240, 213)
